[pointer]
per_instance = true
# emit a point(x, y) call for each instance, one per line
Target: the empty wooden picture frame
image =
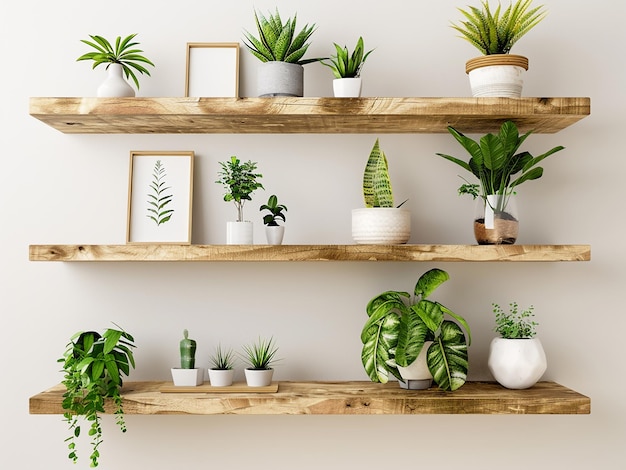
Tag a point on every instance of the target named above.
point(160, 193)
point(212, 69)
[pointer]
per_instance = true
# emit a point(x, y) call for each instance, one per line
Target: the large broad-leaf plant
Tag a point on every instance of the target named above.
point(398, 326)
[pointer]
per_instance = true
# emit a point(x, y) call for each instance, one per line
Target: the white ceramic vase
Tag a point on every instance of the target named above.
point(497, 75)
point(347, 87)
point(115, 86)
point(221, 377)
point(277, 78)
point(187, 377)
point(381, 225)
point(416, 375)
point(239, 233)
point(259, 377)
point(517, 363)
point(274, 234)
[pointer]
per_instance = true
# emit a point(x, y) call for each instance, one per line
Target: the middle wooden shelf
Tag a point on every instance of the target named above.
point(437, 253)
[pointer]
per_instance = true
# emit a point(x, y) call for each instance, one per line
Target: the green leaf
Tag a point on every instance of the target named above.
point(430, 281)
point(447, 357)
point(411, 337)
point(379, 339)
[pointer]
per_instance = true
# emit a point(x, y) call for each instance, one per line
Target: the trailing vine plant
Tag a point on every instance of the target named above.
point(158, 199)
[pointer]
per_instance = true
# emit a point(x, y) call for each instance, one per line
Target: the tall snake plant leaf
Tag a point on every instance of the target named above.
point(447, 357)
point(376, 184)
point(158, 200)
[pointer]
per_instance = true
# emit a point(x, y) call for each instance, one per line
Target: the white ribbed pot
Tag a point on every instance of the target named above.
point(416, 375)
point(239, 233)
point(221, 377)
point(517, 363)
point(187, 377)
point(277, 78)
point(381, 225)
point(347, 87)
point(258, 377)
point(497, 75)
point(115, 86)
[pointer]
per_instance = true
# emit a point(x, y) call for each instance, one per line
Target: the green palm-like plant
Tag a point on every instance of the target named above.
point(346, 65)
point(278, 41)
point(123, 54)
point(496, 32)
point(398, 325)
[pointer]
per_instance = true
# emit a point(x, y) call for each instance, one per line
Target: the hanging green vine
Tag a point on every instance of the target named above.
point(158, 199)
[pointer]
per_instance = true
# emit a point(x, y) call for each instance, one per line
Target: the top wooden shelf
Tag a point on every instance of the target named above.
point(285, 115)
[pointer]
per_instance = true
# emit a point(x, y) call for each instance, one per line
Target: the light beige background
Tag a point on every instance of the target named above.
point(60, 188)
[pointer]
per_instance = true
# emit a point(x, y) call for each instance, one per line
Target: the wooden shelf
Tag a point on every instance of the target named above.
point(158, 252)
point(332, 398)
point(304, 115)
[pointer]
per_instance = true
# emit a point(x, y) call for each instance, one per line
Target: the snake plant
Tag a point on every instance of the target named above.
point(278, 41)
point(398, 325)
point(376, 184)
point(496, 32)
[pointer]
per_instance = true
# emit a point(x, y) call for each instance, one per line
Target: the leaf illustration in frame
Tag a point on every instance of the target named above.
point(158, 198)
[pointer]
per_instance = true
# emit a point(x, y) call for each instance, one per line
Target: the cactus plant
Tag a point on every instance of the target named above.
point(187, 352)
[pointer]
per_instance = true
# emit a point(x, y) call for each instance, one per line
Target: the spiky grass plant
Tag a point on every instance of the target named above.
point(346, 65)
point(496, 32)
point(278, 41)
point(261, 354)
point(222, 359)
point(123, 54)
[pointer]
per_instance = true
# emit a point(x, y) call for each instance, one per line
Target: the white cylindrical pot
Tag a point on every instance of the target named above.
point(259, 377)
point(239, 233)
point(187, 377)
point(416, 375)
point(221, 377)
point(517, 363)
point(115, 86)
point(347, 87)
point(274, 234)
point(498, 75)
point(381, 225)
point(277, 78)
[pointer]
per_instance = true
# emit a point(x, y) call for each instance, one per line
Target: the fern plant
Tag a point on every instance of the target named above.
point(278, 41)
point(346, 65)
point(158, 198)
point(123, 53)
point(496, 32)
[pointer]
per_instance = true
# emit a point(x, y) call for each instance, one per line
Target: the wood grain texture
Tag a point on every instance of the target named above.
point(304, 115)
point(334, 398)
point(149, 252)
point(236, 387)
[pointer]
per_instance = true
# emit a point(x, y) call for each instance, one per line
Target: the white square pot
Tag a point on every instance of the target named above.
point(187, 377)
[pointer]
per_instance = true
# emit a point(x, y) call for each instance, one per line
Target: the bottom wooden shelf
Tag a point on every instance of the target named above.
point(332, 398)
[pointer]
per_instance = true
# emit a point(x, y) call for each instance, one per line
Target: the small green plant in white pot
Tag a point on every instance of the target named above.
point(516, 358)
point(188, 374)
point(347, 68)
point(274, 231)
point(123, 58)
point(240, 181)
point(260, 357)
point(222, 367)
point(380, 222)
point(280, 49)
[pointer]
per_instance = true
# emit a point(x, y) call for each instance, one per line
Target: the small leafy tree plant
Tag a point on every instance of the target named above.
point(516, 323)
point(346, 65)
point(240, 181)
point(276, 211)
point(93, 365)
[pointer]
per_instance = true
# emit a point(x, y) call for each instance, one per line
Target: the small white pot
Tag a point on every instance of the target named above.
point(416, 375)
point(221, 377)
point(187, 377)
point(277, 78)
point(500, 75)
point(239, 233)
point(259, 377)
point(381, 225)
point(115, 85)
point(274, 234)
point(517, 363)
point(347, 87)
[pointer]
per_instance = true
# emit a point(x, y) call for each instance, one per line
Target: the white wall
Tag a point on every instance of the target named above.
point(59, 188)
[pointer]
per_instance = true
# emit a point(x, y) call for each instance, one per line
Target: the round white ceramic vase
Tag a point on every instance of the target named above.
point(115, 86)
point(416, 375)
point(347, 87)
point(239, 233)
point(517, 363)
point(221, 377)
point(258, 377)
point(381, 225)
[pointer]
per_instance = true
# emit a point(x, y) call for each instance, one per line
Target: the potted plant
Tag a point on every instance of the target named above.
point(273, 231)
point(240, 181)
point(346, 68)
point(408, 337)
point(497, 72)
point(516, 358)
point(260, 357)
point(500, 169)
point(187, 375)
point(222, 369)
point(379, 222)
point(93, 365)
point(121, 59)
point(280, 50)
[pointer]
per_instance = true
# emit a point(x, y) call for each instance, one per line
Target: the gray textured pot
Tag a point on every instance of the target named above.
point(280, 79)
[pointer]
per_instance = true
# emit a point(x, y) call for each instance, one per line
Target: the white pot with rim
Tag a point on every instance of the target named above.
point(187, 377)
point(274, 234)
point(276, 78)
point(115, 86)
point(347, 87)
point(381, 225)
point(416, 375)
point(221, 377)
point(239, 233)
point(259, 377)
point(497, 75)
point(517, 363)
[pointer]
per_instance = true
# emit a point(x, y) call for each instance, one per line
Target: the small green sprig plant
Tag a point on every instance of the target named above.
point(346, 65)
point(515, 324)
point(240, 181)
point(276, 211)
point(260, 355)
point(222, 359)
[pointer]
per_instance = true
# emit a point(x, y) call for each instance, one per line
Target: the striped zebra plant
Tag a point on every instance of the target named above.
point(376, 184)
